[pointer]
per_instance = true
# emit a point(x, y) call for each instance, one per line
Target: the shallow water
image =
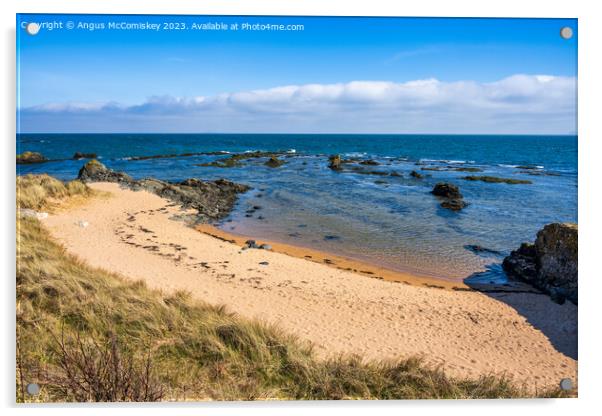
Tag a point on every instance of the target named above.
point(391, 221)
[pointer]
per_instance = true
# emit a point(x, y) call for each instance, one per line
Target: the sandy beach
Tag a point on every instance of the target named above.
point(374, 313)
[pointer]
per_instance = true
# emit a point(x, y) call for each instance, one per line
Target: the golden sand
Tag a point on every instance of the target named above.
point(523, 335)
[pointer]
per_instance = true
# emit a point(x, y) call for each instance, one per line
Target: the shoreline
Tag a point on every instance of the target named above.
point(367, 269)
point(362, 268)
point(468, 333)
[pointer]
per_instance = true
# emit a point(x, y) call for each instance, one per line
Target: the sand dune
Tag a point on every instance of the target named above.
point(522, 335)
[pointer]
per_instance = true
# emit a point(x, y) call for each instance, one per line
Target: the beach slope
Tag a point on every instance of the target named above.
point(522, 335)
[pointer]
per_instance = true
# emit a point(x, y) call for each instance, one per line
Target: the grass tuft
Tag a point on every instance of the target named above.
point(43, 191)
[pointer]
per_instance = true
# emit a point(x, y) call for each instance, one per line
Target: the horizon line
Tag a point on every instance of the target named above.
point(323, 134)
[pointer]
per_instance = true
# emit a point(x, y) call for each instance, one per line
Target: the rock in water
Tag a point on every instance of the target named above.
point(550, 264)
point(522, 263)
point(446, 190)
point(556, 247)
point(477, 249)
point(30, 157)
point(452, 198)
point(454, 204)
point(94, 171)
point(369, 162)
point(80, 155)
point(274, 162)
point(416, 175)
point(335, 162)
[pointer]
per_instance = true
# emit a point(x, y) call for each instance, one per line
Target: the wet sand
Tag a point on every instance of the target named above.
point(332, 260)
point(522, 335)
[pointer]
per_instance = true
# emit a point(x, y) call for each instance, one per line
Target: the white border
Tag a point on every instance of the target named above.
point(590, 69)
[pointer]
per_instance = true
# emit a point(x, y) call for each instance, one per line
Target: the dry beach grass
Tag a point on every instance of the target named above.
point(74, 315)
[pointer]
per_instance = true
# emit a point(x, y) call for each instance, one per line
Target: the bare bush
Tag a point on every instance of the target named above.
point(97, 370)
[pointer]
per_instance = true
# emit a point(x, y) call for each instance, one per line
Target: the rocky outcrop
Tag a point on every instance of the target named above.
point(495, 179)
point(416, 175)
point(274, 162)
point(94, 171)
point(211, 199)
point(477, 249)
point(450, 195)
point(174, 155)
point(369, 162)
point(453, 204)
point(446, 190)
point(550, 264)
point(335, 162)
point(236, 160)
point(80, 155)
point(30, 157)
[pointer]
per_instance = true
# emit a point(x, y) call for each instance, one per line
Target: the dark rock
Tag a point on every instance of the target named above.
point(557, 250)
point(335, 162)
point(480, 250)
point(30, 157)
point(467, 169)
point(94, 171)
point(331, 237)
point(274, 162)
point(416, 175)
point(538, 173)
point(369, 162)
point(251, 244)
point(236, 160)
point(364, 171)
point(550, 264)
point(494, 179)
point(397, 174)
point(452, 198)
point(454, 204)
point(522, 263)
point(446, 190)
point(212, 200)
point(79, 155)
point(174, 155)
point(264, 263)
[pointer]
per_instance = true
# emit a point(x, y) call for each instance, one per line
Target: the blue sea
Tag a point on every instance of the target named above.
point(392, 221)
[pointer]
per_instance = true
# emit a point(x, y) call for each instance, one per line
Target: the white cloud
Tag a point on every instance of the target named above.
point(517, 104)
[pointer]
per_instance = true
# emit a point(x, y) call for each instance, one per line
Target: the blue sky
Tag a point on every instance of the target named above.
point(381, 75)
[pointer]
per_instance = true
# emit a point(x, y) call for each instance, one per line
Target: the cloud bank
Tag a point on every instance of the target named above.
point(528, 104)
